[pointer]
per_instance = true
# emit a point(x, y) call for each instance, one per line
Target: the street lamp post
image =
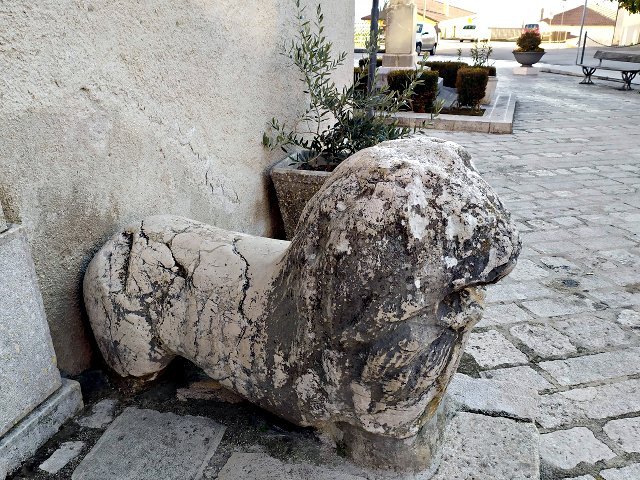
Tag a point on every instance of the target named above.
point(584, 14)
point(373, 40)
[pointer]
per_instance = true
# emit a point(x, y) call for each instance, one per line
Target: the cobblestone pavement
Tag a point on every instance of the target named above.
point(567, 320)
point(566, 323)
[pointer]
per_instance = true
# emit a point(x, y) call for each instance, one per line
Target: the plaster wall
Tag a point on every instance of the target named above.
point(114, 110)
point(627, 28)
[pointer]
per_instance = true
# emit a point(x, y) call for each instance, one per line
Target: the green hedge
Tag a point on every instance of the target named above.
point(447, 70)
point(491, 71)
point(425, 92)
point(399, 80)
point(472, 85)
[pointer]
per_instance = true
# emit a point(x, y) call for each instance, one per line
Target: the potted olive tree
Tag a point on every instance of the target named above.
point(336, 123)
point(529, 51)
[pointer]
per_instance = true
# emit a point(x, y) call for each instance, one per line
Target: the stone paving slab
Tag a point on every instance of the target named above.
point(495, 398)
point(631, 472)
point(144, 444)
point(591, 403)
point(591, 368)
point(543, 340)
point(481, 447)
point(519, 377)
point(625, 433)
point(260, 466)
point(61, 457)
point(566, 449)
point(492, 349)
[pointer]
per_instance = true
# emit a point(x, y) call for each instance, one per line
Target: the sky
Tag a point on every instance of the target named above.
point(501, 11)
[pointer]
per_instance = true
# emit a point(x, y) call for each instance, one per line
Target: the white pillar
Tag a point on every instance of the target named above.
point(400, 38)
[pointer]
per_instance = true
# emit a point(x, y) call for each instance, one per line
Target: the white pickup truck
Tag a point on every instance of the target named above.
point(426, 38)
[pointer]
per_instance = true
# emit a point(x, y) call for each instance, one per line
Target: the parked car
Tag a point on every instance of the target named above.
point(541, 28)
point(475, 33)
point(426, 38)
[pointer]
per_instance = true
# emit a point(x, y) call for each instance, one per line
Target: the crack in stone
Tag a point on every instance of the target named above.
point(245, 287)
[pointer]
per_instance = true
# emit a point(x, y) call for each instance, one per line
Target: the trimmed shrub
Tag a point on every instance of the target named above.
point(491, 71)
point(447, 70)
point(399, 80)
point(472, 85)
point(529, 41)
point(426, 92)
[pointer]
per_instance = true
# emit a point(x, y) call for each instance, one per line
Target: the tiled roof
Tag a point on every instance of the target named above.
point(573, 17)
point(436, 11)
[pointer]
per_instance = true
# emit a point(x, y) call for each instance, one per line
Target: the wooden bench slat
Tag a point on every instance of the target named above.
point(613, 69)
point(617, 56)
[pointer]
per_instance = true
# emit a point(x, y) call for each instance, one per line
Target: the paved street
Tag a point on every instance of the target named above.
point(557, 53)
point(567, 320)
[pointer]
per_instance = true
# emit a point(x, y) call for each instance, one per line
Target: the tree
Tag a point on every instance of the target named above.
point(632, 5)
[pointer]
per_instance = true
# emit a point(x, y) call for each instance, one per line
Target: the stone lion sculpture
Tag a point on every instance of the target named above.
point(354, 327)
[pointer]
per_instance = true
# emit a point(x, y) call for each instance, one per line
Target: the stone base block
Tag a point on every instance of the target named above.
point(22, 441)
point(525, 71)
point(28, 373)
point(3, 227)
point(400, 60)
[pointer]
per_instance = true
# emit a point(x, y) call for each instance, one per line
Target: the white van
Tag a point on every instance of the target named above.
point(475, 33)
point(426, 38)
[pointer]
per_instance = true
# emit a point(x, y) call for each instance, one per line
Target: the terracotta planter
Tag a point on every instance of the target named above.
point(490, 91)
point(294, 188)
point(527, 59)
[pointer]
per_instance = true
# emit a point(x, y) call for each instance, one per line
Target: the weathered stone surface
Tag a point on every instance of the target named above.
point(174, 448)
point(630, 472)
point(24, 439)
point(491, 349)
point(528, 270)
point(590, 368)
point(28, 373)
point(101, 414)
point(626, 433)
point(566, 449)
point(359, 322)
point(260, 466)
point(629, 318)
point(580, 404)
point(554, 307)
point(526, 377)
point(544, 340)
point(61, 457)
point(495, 398)
point(481, 447)
point(3, 225)
point(595, 333)
point(582, 477)
point(499, 314)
